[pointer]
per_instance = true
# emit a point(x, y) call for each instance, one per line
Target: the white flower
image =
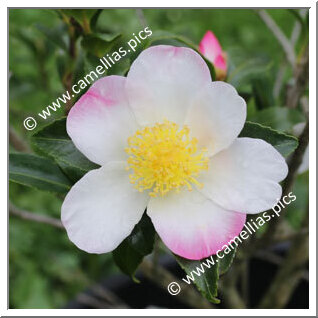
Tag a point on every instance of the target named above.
point(166, 140)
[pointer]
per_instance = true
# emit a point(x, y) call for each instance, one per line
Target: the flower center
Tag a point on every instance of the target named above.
point(164, 157)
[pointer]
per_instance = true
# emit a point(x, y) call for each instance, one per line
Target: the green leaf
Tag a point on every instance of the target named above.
point(37, 172)
point(130, 253)
point(280, 118)
point(98, 43)
point(297, 15)
point(55, 35)
point(74, 174)
point(248, 71)
point(263, 93)
point(284, 143)
point(207, 278)
point(82, 16)
point(94, 19)
point(226, 262)
point(54, 142)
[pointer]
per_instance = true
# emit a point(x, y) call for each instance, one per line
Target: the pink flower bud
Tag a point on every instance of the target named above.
point(212, 50)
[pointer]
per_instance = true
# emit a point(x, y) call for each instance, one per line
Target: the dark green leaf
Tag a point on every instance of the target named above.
point(94, 19)
point(297, 15)
point(98, 43)
point(130, 253)
point(280, 118)
point(37, 172)
point(284, 143)
point(206, 277)
point(55, 35)
point(53, 141)
point(74, 174)
point(263, 93)
point(82, 16)
point(226, 262)
point(248, 71)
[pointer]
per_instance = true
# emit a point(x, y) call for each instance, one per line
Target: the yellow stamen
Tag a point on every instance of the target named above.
point(164, 157)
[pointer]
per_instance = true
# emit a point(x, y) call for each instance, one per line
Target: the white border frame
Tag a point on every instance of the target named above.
point(312, 182)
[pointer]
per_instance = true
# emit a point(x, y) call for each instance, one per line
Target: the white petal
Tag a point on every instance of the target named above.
point(193, 226)
point(217, 116)
point(162, 81)
point(101, 121)
point(102, 208)
point(245, 176)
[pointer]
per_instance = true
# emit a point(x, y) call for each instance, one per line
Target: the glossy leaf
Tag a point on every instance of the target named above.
point(55, 35)
point(263, 92)
point(226, 262)
point(98, 43)
point(94, 19)
point(280, 118)
point(37, 172)
point(204, 277)
point(53, 141)
point(130, 253)
point(284, 143)
point(248, 71)
point(74, 174)
point(82, 16)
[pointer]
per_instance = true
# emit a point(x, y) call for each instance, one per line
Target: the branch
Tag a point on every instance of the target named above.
point(141, 17)
point(99, 297)
point(228, 286)
point(289, 274)
point(293, 39)
point(163, 278)
point(301, 74)
point(34, 217)
point(297, 27)
point(270, 257)
point(296, 160)
point(280, 36)
point(16, 142)
point(294, 165)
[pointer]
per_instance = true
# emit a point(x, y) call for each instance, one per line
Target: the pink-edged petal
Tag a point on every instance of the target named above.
point(193, 226)
point(217, 116)
point(245, 176)
point(102, 208)
point(162, 82)
point(101, 121)
point(211, 49)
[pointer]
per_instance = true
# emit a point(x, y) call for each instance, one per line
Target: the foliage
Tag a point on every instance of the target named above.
point(50, 50)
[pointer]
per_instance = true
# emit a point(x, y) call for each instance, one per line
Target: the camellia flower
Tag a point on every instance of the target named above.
point(166, 140)
point(212, 50)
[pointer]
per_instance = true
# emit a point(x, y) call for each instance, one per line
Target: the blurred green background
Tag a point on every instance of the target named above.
point(46, 269)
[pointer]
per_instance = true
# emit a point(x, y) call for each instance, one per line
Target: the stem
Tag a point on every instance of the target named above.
point(141, 17)
point(295, 163)
point(163, 278)
point(245, 281)
point(280, 36)
point(301, 74)
point(231, 296)
point(296, 160)
point(68, 76)
point(16, 142)
point(86, 26)
point(35, 217)
point(289, 274)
